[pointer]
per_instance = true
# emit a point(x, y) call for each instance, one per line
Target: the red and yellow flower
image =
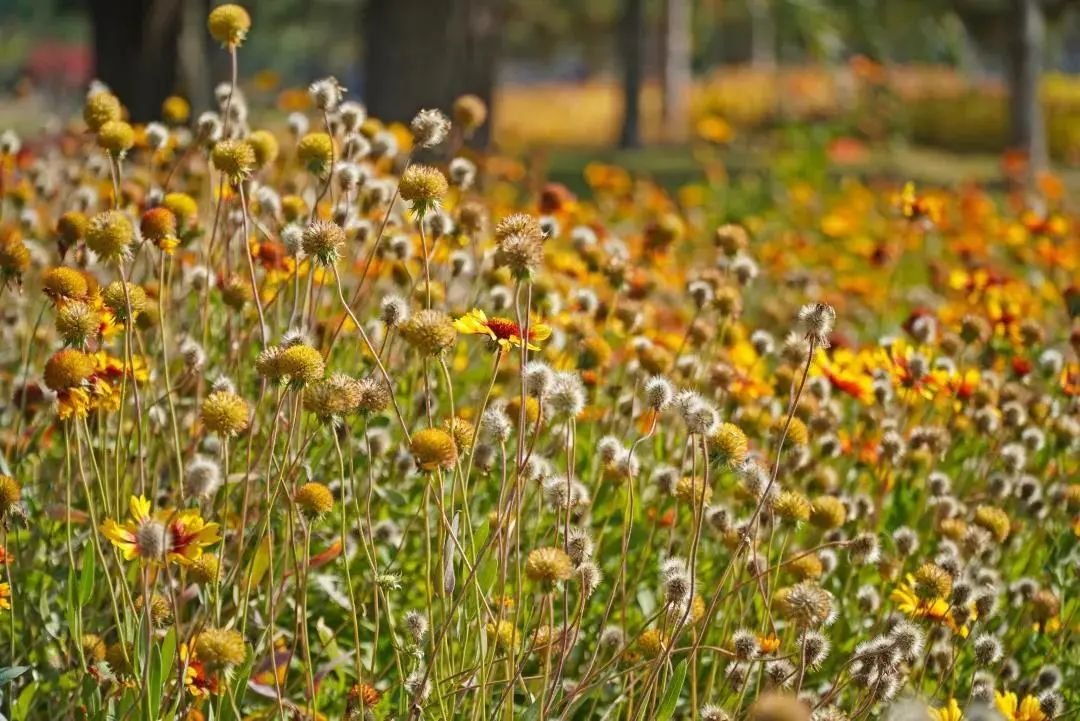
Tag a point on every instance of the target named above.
point(166, 535)
point(503, 331)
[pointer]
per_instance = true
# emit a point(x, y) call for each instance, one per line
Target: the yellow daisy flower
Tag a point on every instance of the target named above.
point(503, 331)
point(168, 535)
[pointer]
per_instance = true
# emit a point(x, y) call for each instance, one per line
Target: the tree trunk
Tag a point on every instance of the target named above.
point(136, 48)
point(762, 35)
point(423, 54)
point(633, 60)
point(677, 76)
point(1027, 126)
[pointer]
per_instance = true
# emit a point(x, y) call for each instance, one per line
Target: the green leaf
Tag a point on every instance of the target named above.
point(87, 576)
point(10, 673)
point(21, 710)
point(671, 695)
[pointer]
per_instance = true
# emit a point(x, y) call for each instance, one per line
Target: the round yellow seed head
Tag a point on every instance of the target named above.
point(433, 448)
point(62, 284)
point(693, 490)
point(77, 322)
point(68, 368)
point(93, 647)
point(158, 225)
point(205, 568)
point(265, 146)
point(470, 112)
point(994, 520)
point(175, 110)
point(828, 512)
point(301, 364)
point(115, 299)
point(792, 506)
point(71, 227)
point(548, 565)
point(316, 153)
point(119, 658)
point(101, 107)
point(293, 208)
point(314, 499)
point(229, 24)
point(932, 581)
point(160, 609)
point(225, 412)
point(462, 431)
point(183, 206)
point(234, 158)
point(220, 648)
point(423, 185)
point(728, 445)
point(651, 643)
point(14, 256)
point(109, 234)
point(429, 331)
point(10, 492)
point(116, 138)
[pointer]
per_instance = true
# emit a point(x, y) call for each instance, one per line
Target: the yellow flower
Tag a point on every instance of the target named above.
point(168, 535)
point(1012, 710)
point(909, 602)
point(503, 331)
point(936, 609)
point(950, 712)
point(5, 596)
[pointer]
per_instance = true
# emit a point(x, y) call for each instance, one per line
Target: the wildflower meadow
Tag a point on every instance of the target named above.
point(340, 419)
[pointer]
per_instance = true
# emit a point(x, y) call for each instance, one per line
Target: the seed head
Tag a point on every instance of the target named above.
point(314, 499)
point(10, 493)
point(322, 240)
point(728, 445)
point(234, 158)
point(158, 225)
point(470, 112)
point(373, 395)
point(332, 398)
point(119, 296)
point(816, 322)
point(202, 477)
point(430, 128)
point(220, 648)
point(229, 24)
point(326, 93)
point(108, 234)
point(772, 706)
point(932, 581)
point(423, 186)
point(807, 604)
point(548, 565)
point(77, 323)
point(225, 413)
point(316, 153)
point(116, 138)
point(433, 448)
point(100, 108)
point(68, 368)
point(429, 331)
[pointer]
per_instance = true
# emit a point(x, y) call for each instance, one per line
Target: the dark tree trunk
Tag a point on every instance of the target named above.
point(677, 71)
point(632, 48)
point(423, 54)
point(136, 50)
point(1025, 58)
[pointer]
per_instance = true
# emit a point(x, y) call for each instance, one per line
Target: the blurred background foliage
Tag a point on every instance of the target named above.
point(960, 76)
